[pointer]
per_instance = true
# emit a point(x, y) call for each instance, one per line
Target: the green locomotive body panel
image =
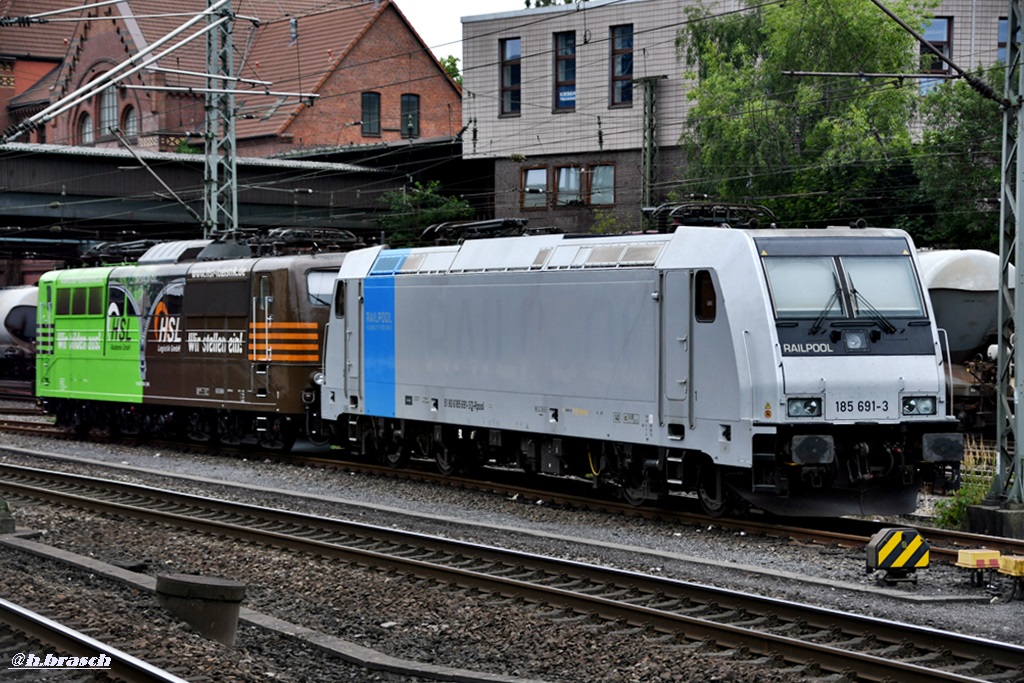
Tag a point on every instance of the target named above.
point(89, 348)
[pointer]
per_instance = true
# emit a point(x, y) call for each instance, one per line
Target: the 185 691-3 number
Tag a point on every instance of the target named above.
point(861, 406)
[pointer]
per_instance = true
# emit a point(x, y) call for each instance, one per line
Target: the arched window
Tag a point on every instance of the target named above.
point(130, 122)
point(108, 111)
point(86, 135)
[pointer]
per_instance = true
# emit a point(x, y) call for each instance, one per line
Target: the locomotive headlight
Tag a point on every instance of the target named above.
point(855, 340)
point(803, 407)
point(320, 378)
point(918, 405)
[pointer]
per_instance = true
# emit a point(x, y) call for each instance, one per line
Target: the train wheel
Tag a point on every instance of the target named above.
point(106, 424)
point(129, 421)
point(446, 459)
point(199, 427)
point(80, 422)
point(227, 429)
point(634, 494)
point(711, 491)
point(280, 436)
point(397, 456)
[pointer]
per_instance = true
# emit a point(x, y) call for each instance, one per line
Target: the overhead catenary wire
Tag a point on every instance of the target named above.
point(545, 18)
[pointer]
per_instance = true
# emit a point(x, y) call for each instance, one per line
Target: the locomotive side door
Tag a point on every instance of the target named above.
point(262, 349)
point(354, 343)
point(45, 334)
point(676, 340)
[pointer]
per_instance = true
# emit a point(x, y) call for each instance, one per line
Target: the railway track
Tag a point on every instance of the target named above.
point(16, 426)
point(845, 532)
point(26, 634)
point(762, 627)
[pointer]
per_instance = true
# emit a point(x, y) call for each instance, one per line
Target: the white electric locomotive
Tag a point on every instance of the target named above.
point(798, 371)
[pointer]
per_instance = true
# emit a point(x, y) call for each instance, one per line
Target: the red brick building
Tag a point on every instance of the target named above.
point(374, 79)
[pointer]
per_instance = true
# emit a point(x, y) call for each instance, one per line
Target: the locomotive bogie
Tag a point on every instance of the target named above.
point(796, 370)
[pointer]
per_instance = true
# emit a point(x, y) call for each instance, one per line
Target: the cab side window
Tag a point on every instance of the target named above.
point(706, 303)
point(339, 300)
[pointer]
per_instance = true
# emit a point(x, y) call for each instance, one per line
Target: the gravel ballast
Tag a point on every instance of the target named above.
point(434, 623)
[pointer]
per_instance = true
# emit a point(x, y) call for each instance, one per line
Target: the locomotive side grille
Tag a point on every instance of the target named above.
point(287, 342)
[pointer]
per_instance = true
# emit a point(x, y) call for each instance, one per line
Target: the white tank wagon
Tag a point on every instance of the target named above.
point(964, 288)
point(797, 371)
point(18, 333)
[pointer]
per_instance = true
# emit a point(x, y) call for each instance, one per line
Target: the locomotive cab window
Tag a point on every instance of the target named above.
point(339, 300)
point(320, 286)
point(63, 301)
point(706, 304)
point(883, 285)
point(804, 286)
point(830, 287)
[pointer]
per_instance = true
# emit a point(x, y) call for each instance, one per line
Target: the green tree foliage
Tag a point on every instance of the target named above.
point(414, 208)
point(959, 163)
point(817, 149)
point(451, 67)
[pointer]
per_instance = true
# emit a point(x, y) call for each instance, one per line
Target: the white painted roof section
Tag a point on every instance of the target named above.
point(170, 252)
point(540, 252)
point(972, 270)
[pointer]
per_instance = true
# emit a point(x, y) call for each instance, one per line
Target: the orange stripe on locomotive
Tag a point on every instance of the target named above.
point(266, 340)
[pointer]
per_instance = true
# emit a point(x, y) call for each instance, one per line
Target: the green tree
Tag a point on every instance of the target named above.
point(451, 67)
point(817, 149)
point(548, 3)
point(414, 208)
point(959, 163)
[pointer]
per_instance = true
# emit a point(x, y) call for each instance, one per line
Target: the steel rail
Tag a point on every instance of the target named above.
point(68, 641)
point(944, 544)
point(798, 633)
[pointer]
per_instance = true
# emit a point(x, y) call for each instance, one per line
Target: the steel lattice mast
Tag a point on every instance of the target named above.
point(220, 214)
point(1008, 485)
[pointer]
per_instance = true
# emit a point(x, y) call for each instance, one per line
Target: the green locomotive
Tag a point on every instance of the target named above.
point(198, 340)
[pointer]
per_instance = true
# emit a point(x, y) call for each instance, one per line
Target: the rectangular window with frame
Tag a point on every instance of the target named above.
point(511, 76)
point(534, 188)
point(621, 65)
point(565, 71)
point(108, 112)
point(1001, 40)
point(568, 192)
point(601, 185)
point(63, 306)
point(371, 114)
point(410, 116)
point(940, 34)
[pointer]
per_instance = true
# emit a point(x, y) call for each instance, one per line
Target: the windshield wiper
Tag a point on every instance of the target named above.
point(873, 312)
point(816, 327)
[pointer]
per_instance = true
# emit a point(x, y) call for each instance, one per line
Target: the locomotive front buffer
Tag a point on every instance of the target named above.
point(896, 554)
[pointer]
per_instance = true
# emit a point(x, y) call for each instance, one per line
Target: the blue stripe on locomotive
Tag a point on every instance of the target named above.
point(379, 333)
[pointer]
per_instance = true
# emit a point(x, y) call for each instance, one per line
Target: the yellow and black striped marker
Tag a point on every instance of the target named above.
point(898, 553)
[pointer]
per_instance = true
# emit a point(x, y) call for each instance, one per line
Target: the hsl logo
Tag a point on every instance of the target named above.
point(166, 327)
point(117, 325)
